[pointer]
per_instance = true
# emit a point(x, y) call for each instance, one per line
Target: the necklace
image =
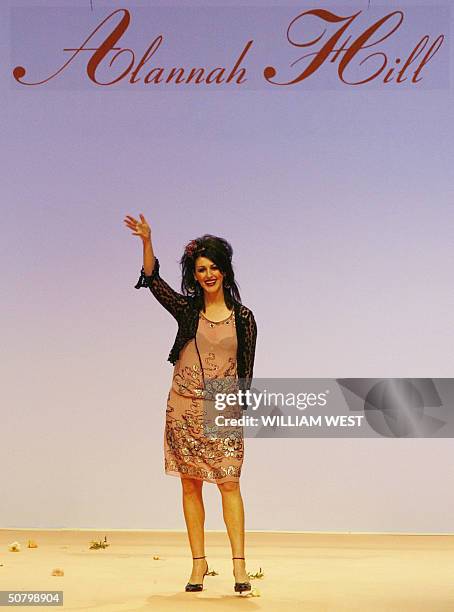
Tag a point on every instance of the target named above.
point(213, 323)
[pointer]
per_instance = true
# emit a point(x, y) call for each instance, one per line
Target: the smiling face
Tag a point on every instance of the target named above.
point(208, 274)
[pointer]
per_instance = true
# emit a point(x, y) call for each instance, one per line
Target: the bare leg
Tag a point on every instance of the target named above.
point(233, 511)
point(194, 514)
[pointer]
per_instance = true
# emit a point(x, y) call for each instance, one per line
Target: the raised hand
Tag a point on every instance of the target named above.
point(140, 228)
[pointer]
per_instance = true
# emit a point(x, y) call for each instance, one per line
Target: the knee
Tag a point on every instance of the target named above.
point(191, 486)
point(229, 487)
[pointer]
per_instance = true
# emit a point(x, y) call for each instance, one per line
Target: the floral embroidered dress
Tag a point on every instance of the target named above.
point(208, 357)
point(191, 448)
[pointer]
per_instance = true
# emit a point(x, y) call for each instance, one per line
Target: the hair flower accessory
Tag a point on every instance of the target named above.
point(191, 248)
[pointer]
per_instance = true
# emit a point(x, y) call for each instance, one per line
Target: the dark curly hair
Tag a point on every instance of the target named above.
point(220, 252)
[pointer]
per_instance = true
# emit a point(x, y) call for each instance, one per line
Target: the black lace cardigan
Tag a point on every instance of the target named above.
point(183, 309)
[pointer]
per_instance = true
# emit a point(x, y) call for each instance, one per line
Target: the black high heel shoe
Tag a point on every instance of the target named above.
point(194, 588)
point(241, 587)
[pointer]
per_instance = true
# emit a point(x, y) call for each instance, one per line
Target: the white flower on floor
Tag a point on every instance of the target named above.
point(58, 572)
point(14, 547)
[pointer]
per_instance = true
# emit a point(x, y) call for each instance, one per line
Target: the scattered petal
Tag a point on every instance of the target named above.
point(32, 544)
point(58, 572)
point(100, 544)
point(14, 547)
point(258, 574)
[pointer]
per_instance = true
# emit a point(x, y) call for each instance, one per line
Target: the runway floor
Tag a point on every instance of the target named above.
point(302, 571)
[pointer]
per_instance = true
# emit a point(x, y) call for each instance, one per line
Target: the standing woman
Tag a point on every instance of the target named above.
point(215, 340)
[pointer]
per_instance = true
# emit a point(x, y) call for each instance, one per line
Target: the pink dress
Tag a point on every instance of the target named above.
point(191, 450)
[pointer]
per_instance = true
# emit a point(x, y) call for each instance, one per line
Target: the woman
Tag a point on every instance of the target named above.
point(215, 342)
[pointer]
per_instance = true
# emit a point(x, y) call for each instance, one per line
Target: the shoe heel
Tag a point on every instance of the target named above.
point(197, 587)
point(243, 588)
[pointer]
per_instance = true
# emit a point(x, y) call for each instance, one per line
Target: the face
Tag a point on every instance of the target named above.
point(207, 273)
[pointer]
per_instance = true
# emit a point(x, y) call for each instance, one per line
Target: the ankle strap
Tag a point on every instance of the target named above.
point(239, 558)
point(198, 557)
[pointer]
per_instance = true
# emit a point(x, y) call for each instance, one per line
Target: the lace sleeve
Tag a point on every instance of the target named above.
point(250, 338)
point(172, 301)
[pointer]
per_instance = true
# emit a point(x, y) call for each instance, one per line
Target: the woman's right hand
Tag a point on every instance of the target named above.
point(140, 228)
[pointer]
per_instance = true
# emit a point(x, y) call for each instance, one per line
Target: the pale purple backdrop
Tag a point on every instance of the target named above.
point(338, 202)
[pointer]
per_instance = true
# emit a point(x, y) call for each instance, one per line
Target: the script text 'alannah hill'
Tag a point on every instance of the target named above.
point(349, 53)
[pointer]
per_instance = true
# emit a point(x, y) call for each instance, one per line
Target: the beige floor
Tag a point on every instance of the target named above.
point(307, 572)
